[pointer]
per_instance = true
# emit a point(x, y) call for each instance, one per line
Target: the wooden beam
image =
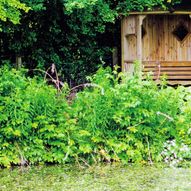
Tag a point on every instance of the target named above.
point(140, 19)
point(179, 82)
point(18, 62)
point(139, 24)
point(122, 44)
point(115, 56)
point(161, 13)
point(128, 42)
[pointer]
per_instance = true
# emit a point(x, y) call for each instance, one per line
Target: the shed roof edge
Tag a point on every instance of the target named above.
point(161, 13)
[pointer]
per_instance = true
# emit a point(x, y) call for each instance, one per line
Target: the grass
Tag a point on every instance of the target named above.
point(99, 178)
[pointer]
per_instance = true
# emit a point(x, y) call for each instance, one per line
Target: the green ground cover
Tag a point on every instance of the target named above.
point(100, 178)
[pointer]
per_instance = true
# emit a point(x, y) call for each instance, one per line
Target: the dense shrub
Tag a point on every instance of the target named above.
point(33, 120)
point(134, 118)
point(117, 118)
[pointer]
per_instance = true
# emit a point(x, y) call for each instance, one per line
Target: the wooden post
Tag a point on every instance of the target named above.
point(128, 43)
point(139, 24)
point(115, 56)
point(122, 44)
point(18, 62)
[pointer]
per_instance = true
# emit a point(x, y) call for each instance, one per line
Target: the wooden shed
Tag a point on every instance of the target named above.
point(160, 41)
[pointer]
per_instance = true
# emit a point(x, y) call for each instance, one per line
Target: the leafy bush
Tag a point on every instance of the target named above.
point(116, 118)
point(30, 120)
point(133, 118)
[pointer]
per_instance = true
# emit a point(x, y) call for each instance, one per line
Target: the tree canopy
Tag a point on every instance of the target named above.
point(76, 35)
point(10, 10)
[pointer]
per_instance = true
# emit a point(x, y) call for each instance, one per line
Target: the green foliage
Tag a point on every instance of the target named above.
point(10, 10)
point(115, 118)
point(132, 119)
point(73, 34)
point(31, 114)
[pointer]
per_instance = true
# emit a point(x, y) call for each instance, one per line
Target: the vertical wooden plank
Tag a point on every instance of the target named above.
point(115, 56)
point(166, 38)
point(18, 61)
point(128, 43)
point(139, 23)
point(139, 38)
point(139, 43)
point(144, 41)
point(154, 39)
point(162, 38)
point(189, 42)
point(122, 44)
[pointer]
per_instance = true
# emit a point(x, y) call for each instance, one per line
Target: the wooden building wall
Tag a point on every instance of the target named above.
point(159, 43)
point(150, 39)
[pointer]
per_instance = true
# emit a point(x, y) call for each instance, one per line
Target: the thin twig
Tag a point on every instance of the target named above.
point(94, 159)
point(165, 115)
point(85, 162)
point(56, 82)
point(68, 149)
point(149, 152)
point(46, 73)
point(77, 161)
point(23, 160)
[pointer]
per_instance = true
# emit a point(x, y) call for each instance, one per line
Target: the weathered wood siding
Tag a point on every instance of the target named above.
point(128, 42)
point(159, 50)
point(159, 43)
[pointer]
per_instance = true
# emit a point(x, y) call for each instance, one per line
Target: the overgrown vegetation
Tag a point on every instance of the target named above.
point(73, 34)
point(114, 118)
point(122, 119)
point(10, 10)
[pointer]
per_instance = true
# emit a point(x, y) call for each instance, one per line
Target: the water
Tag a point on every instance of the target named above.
point(99, 178)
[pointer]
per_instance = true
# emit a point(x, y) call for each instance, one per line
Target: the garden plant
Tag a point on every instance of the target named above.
point(119, 118)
